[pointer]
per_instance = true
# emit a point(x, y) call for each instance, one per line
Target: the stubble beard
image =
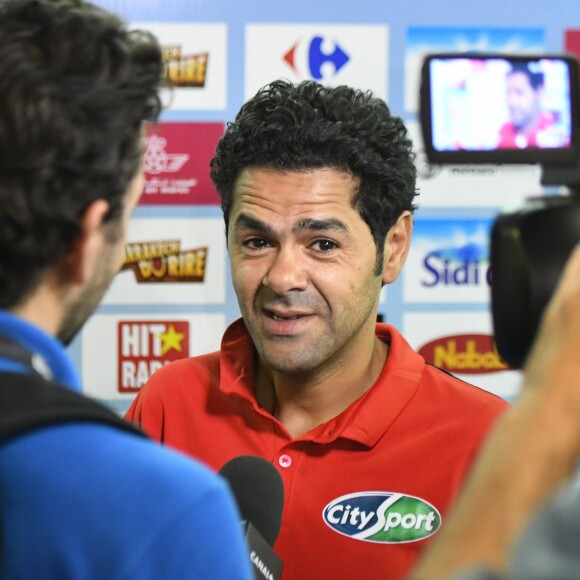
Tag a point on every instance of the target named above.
point(79, 312)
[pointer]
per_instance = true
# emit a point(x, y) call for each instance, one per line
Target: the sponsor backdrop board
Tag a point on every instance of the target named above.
point(219, 53)
point(120, 352)
point(195, 59)
point(422, 40)
point(572, 42)
point(462, 345)
point(471, 186)
point(448, 262)
point(181, 261)
point(333, 55)
point(176, 162)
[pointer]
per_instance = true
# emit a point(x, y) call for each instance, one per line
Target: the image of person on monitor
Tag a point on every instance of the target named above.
point(530, 124)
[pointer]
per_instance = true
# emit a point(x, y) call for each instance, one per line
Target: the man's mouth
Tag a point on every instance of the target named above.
point(276, 317)
point(283, 316)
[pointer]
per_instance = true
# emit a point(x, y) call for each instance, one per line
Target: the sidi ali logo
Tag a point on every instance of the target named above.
point(164, 261)
point(382, 517)
point(464, 353)
point(145, 346)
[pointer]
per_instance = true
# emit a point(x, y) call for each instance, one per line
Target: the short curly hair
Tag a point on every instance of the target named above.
point(290, 127)
point(536, 79)
point(75, 88)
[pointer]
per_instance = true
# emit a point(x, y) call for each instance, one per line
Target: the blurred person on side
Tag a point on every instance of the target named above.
point(84, 498)
point(519, 514)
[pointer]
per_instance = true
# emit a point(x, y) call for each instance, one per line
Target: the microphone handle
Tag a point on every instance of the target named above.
point(265, 562)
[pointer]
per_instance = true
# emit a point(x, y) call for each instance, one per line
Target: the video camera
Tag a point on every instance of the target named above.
point(500, 108)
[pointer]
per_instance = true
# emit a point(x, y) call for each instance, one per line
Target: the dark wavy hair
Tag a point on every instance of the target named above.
point(535, 78)
point(75, 88)
point(301, 127)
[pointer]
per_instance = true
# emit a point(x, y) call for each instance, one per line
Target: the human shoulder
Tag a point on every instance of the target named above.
point(452, 387)
point(118, 457)
point(438, 389)
point(201, 368)
point(198, 515)
point(203, 371)
point(149, 507)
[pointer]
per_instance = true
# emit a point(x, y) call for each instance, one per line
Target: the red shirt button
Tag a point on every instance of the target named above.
point(285, 461)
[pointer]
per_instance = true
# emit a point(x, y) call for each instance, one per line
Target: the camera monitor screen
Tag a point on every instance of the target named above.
point(491, 108)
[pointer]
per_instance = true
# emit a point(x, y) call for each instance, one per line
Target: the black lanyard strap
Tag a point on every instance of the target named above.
point(14, 351)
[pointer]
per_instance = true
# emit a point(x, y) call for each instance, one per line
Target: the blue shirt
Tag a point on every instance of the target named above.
point(83, 500)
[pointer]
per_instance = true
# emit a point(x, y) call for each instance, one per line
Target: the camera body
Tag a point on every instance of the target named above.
point(498, 108)
point(529, 247)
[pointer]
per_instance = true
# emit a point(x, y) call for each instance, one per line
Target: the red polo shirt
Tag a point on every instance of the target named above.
point(398, 454)
point(544, 134)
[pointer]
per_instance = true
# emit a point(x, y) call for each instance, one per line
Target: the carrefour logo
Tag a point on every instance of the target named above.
point(382, 517)
point(315, 52)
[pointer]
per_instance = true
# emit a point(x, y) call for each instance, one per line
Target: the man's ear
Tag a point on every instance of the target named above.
point(80, 263)
point(397, 247)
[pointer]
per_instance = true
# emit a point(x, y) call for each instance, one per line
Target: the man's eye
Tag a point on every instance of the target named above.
point(324, 246)
point(256, 243)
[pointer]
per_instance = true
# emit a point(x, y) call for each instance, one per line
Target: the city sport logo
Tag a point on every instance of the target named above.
point(164, 261)
point(382, 517)
point(308, 57)
point(184, 70)
point(145, 346)
point(464, 353)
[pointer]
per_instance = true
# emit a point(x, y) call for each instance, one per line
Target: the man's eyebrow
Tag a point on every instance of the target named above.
point(313, 224)
point(245, 221)
point(321, 224)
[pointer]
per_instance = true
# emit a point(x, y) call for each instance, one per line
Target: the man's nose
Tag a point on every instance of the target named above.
point(286, 272)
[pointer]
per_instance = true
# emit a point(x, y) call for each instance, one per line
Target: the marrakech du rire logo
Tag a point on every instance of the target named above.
point(184, 70)
point(145, 346)
point(164, 261)
point(464, 353)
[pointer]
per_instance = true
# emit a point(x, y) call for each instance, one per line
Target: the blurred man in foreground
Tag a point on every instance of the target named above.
point(519, 515)
point(86, 499)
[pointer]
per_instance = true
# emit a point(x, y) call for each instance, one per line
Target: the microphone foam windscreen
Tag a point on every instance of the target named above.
point(259, 493)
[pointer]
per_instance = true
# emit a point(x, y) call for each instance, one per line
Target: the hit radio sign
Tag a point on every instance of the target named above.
point(145, 346)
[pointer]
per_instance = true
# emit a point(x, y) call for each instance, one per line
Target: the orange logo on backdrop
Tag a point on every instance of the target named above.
point(464, 353)
point(164, 261)
point(184, 70)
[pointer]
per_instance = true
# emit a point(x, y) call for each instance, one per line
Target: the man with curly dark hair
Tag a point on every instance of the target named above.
point(82, 494)
point(530, 123)
point(318, 187)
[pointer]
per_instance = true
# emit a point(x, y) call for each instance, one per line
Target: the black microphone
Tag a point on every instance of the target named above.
point(259, 493)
